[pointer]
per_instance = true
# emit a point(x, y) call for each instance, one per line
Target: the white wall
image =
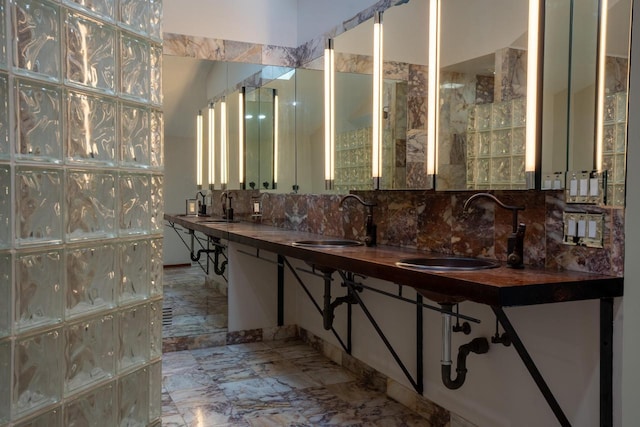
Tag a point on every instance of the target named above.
point(255, 21)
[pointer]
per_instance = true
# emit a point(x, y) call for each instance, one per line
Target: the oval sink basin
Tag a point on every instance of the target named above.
point(448, 263)
point(327, 243)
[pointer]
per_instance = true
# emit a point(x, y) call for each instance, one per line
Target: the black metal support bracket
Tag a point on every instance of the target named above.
point(218, 250)
point(531, 366)
point(606, 362)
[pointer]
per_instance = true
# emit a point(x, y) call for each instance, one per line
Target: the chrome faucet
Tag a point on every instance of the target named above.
point(515, 242)
point(370, 226)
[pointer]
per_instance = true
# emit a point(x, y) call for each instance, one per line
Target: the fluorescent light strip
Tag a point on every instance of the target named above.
point(212, 147)
point(199, 159)
point(329, 114)
point(532, 88)
point(275, 137)
point(223, 144)
point(241, 137)
point(602, 62)
point(376, 141)
point(432, 92)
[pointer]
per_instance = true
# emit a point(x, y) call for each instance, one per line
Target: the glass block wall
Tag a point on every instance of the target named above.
point(81, 177)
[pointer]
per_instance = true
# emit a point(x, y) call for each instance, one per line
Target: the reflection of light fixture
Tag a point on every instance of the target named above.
point(199, 150)
point(451, 85)
point(432, 90)
point(602, 59)
point(261, 116)
point(275, 138)
point(329, 114)
point(532, 93)
point(241, 116)
point(212, 147)
point(223, 144)
point(248, 116)
point(376, 140)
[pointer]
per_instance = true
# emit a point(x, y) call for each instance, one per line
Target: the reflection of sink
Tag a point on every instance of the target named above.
point(327, 243)
point(448, 263)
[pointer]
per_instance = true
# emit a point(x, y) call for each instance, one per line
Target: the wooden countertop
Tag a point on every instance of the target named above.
point(500, 286)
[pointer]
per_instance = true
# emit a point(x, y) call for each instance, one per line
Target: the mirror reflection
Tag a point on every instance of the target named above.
point(483, 89)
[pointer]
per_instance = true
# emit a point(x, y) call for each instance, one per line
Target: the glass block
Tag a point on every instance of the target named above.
point(36, 35)
point(155, 387)
point(519, 141)
point(609, 138)
point(155, 329)
point(471, 118)
point(90, 53)
point(134, 204)
point(38, 217)
point(519, 112)
point(621, 138)
point(609, 110)
point(156, 267)
point(90, 205)
point(155, 19)
point(484, 169)
point(471, 170)
point(155, 80)
point(483, 116)
point(96, 408)
point(5, 207)
point(37, 372)
point(621, 106)
point(91, 121)
point(472, 144)
point(156, 149)
point(38, 290)
point(91, 280)
point(3, 38)
point(134, 14)
point(501, 115)
point(134, 271)
point(620, 168)
point(501, 142)
point(133, 399)
point(6, 284)
point(89, 353)
point(52, 418)
point(104, 9)
point(156, 204)
point(5, 379)
point(134, 67)
point(500, 169)
point(5, 150)
point(518, 170)
point(618, 195)
point(38, 122)
point(608, 163)
point(134, 136)
point(484, 144)
point(133, 346)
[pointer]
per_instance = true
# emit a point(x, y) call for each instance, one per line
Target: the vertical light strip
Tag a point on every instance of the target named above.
point(376, 140)
point(199, 158)
point(223, 145)
point(212, 147)
point(532, 93)
point(275, 138)
point(241, 138)
point(433, 89)
point(602, 62)
point(329, 113)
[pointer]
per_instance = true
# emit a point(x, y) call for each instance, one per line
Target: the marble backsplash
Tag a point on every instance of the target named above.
point(434, 221)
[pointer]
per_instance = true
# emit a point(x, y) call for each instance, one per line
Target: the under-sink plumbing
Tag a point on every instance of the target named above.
point(515, 242)
point(478, 345)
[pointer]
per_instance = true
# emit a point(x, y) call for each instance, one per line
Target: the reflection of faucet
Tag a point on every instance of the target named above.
point(227, 212)
point(203, 205)
point(515, 243)
point(371, 228)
